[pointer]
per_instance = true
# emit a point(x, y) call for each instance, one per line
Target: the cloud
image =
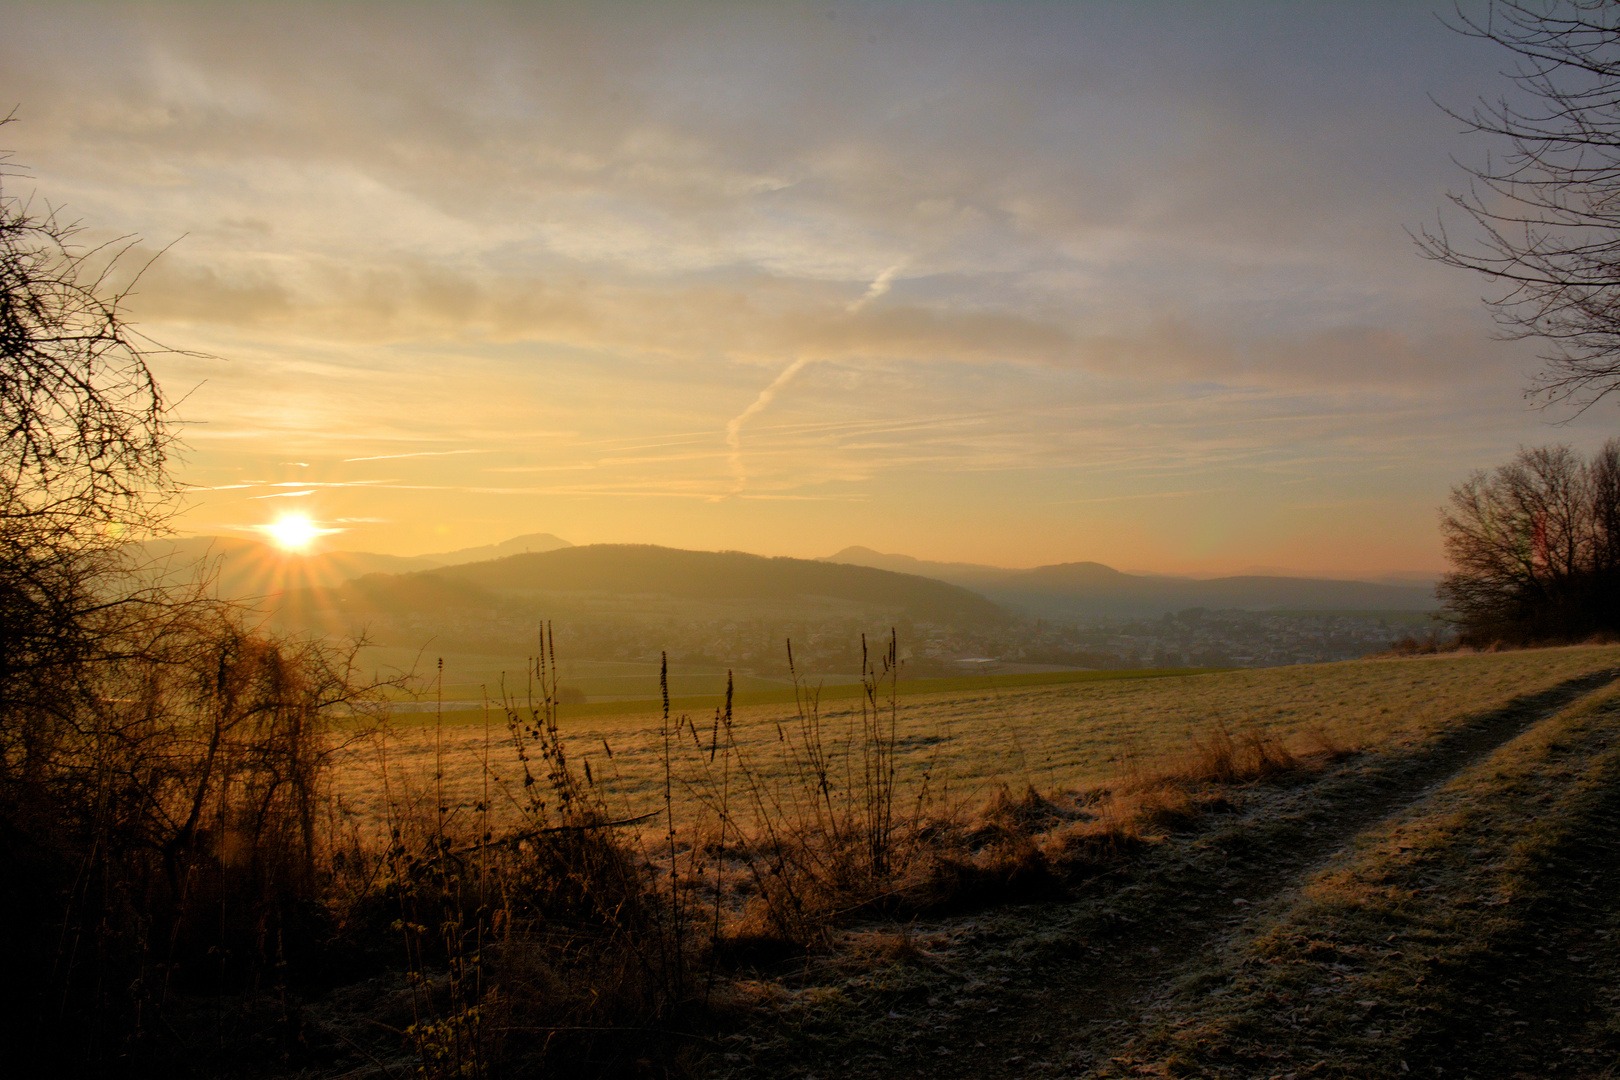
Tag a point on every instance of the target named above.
point(758, 319)
point(726, 191)
point(879, 287)
point(1143, 254)
point(415, 454)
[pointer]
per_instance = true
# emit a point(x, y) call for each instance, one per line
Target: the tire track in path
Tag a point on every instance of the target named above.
point(1055, 989)
point(1256, 866)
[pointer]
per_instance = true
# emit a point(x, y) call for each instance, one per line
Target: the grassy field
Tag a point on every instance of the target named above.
point(709, 693)
point(1438, 905)
point(480, 676)
point(627, 688)
point(979, 733)
point(1418, 880)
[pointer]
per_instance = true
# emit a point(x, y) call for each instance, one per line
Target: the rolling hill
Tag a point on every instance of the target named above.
point(617, 571)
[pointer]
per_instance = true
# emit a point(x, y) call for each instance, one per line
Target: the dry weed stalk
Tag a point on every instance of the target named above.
point(812, 842)
point(542, 939)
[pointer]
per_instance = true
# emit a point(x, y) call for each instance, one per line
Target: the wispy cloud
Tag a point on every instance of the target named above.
point(1140, 261)
point(880, 285)
point(414, 454)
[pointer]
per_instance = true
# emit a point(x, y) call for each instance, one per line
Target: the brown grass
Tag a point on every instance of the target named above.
point(1062, 738)
point(772, 831)
point(549, 887)
point(1472, 934)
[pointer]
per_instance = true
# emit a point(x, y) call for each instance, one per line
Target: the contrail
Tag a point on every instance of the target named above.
point(879, 286)
point(734, 428)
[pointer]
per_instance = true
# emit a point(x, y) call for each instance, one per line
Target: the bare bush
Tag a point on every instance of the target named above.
point(162, 765)
point(1536, 549)
point(170, 832)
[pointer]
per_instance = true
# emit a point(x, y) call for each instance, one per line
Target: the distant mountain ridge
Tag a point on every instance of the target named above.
point(977, 593)
point(518, 545)
point(1090, 589)
point(957, 572)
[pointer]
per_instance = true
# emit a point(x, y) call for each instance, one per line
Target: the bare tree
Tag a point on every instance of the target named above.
point(1534, 545)
point(162, 763)
point(83, 431)
point(84, 439)
point(1548, 205)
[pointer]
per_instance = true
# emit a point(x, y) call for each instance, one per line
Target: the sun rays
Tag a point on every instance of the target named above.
point(292, 534)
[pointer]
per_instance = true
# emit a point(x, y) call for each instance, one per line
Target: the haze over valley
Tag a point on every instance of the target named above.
point(619, 608)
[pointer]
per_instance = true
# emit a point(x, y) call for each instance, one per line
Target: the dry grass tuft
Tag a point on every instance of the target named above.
point(1090, 831)
point(1326, 746)
point(877, 950)
point(1222, 758)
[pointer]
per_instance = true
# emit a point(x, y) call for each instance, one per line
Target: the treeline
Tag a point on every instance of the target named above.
point(1535, 546)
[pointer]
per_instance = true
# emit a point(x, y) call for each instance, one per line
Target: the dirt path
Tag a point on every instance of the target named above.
point(1060, 989)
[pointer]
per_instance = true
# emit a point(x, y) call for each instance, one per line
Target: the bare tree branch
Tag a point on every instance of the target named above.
point(1547, 209)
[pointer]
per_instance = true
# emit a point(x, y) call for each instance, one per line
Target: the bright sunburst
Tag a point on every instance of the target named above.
point(292, 532)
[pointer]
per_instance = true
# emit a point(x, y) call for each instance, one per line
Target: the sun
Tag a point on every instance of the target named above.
point(292, 532)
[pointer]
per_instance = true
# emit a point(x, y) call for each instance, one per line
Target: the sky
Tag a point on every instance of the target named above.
point(1009, 283)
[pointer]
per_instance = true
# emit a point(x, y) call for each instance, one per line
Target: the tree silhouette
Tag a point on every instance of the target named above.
point(84, 439)
point(1536, 548)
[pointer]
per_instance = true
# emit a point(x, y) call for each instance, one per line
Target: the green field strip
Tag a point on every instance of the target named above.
point(825, 694)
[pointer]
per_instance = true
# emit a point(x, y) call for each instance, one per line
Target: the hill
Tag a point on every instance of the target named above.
point(242, 569)
point(624, 605)
point(615, 571)
point(518, 545)
point(1082, 590)
point(959, 573)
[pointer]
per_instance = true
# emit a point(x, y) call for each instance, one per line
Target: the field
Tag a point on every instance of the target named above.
point(471, 677)
point(1412, 875)
point(1064, 736)
point(1442, 905)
